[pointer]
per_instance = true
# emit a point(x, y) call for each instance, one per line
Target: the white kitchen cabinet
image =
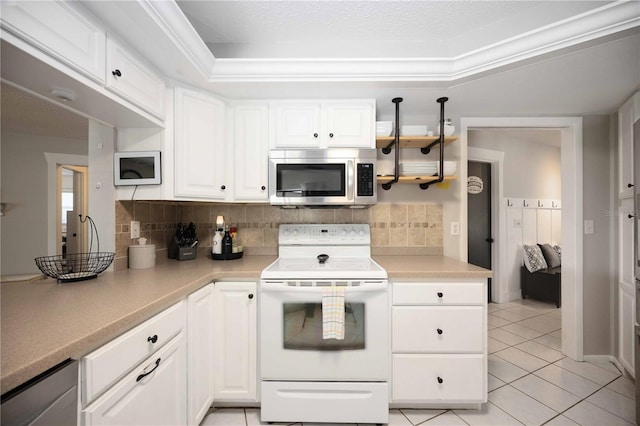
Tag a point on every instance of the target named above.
point(251, 151)
point(131, 79)
point(626, 316)
point(200, 349)
point(153, 393)
point(626, 116)
point(60, 29)
point(200, 146)
point(626, 285)
point(140, 377)
point(101, 368)
point(324, 124)
point(439, 342)
point(235, 355)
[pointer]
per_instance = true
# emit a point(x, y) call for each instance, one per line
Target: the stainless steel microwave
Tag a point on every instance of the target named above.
point(336, 177)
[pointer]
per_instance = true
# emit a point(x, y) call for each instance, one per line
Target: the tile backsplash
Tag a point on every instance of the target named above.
point(395, 228)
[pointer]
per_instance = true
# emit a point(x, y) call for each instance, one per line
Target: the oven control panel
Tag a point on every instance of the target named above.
point(316, 234)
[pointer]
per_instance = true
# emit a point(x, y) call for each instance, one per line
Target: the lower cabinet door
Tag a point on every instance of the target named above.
point(154, 393)
point(439, 378)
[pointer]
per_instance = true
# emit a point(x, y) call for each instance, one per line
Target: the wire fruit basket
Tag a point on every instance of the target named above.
point(77, 266)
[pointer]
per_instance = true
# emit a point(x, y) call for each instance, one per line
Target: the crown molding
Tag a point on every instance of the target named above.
point(607, 21)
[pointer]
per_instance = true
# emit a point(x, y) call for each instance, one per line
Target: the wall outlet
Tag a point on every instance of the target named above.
point(135, 229)
point(455, 228)
point(588, 227)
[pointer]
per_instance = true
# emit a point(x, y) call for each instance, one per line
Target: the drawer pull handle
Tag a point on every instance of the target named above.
point(439, 330)
point(116, 73)
point(153, 338)
point(143, 375)
point(440, 380)
point(440, 294)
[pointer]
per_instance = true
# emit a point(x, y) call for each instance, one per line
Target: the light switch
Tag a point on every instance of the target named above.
point(588, 227)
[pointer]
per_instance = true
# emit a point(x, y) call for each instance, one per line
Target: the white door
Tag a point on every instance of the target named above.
point(297, 125)
point(350, 124)
point(200, 350)
point(235, 340)
point(200, 146)
point(251, 152)
point(154, 393)
point(291, 335)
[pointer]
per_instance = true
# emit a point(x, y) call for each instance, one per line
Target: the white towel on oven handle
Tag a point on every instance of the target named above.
point(333, 312)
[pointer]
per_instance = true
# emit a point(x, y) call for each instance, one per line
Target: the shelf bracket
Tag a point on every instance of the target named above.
point(396, 141)
point(440, 141)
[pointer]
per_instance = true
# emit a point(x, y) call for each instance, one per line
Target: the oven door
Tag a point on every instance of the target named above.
point(292, 345)
point(314, 181)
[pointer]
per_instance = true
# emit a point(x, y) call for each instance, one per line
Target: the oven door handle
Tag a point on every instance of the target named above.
point(282, 287)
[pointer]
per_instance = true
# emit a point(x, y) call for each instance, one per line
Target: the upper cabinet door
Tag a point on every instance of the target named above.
point(251, 151)
point(131, 79)
point(59, 29)
point(297, 124)
point(626, 115)
point(350, 124)
point(200, 146)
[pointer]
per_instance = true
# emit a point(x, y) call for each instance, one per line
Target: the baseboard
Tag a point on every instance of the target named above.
point(607, 358)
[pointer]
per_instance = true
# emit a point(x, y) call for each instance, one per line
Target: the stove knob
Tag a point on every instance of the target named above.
point(361, 232)
point(343, 233)
point(352, 233)
point(286, 232)
point(295, 232)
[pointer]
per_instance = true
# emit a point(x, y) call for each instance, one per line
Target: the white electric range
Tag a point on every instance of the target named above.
point(305, 376)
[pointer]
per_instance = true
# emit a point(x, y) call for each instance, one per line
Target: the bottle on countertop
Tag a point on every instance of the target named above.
point(216, 246)
point(234, 234)
point(227, 242)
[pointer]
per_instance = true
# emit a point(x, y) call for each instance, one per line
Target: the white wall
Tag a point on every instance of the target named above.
point(24, 190)
point(531, 162)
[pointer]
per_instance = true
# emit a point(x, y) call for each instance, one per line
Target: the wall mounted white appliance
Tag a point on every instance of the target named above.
point(337, 177)
point(305, 378)
point(137, 168)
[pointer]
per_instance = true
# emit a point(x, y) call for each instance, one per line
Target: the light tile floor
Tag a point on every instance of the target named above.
point(530, 381)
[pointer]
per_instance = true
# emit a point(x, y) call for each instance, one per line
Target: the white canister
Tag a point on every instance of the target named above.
point(142, 257)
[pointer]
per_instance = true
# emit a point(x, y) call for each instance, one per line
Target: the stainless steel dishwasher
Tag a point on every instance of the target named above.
point(49, 399)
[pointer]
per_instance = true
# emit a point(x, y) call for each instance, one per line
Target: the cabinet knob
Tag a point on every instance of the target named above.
point(315, 135)
point(629, 185)
point(440, 294)
point(630, 216)
point(330, 135)
point(263, 187)
point(440, 380)
point(439, 330)
point(250, 295)
point(223, 187)
point(116, 73)
point(153, 338)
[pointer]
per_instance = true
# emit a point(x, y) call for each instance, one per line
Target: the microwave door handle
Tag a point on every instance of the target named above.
point(350, 180)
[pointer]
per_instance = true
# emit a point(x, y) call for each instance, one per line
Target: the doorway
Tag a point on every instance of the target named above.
point(479, 231)
point(71, 233)
point(572, 214)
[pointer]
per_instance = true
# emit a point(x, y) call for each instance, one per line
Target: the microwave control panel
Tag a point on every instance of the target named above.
point(365, 179)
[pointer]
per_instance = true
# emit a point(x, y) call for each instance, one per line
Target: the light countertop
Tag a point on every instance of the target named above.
point(43, 322)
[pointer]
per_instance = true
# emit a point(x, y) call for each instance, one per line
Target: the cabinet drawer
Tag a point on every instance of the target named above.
point(154, 393)
point(431, 378)
point(112, 361)
point(438, 329)
point(443, 293)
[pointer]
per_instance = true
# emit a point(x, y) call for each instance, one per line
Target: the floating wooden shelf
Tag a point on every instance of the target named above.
point(412, 141)
point(412, 179)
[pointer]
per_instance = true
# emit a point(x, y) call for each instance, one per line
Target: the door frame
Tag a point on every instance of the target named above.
point(495, 159)
point(53, 161)
point(572, 214)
